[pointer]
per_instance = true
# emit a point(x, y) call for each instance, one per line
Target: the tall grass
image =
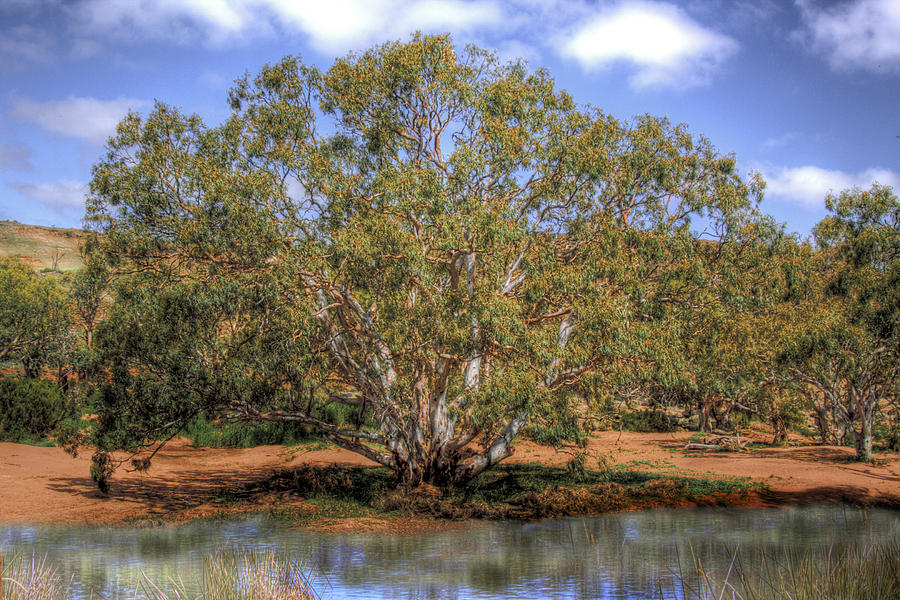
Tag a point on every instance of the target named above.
point(231, 575)
point(857, 572)
point(32, 579)
point(861, 572)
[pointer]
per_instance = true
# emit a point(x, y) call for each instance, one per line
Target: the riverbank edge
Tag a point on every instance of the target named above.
point(304, 513)
point(45, 486)
point(755, 500)
point(758, 497)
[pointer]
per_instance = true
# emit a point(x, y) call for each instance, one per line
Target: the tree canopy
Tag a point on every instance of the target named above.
point(35, 317)
point(436, 242)
point(845, 348)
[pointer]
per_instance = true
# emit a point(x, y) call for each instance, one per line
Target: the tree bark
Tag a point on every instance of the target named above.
point(863, 441)
point(780, 426)
point(863, 438)
point(706, 406)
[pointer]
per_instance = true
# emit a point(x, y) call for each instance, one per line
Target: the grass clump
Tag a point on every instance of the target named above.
point(31, 579)
point(856, 572)
point(238, 575)
point(228, 575)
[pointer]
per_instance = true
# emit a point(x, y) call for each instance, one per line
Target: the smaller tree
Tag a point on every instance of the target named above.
point(35, 318)
point(846, 348)
point(723, 333)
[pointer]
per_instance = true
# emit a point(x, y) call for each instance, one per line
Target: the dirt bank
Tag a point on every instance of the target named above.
point(41, 485)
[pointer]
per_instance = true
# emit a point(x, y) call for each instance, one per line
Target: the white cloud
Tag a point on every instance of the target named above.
point(808, 185)
point(162, 19)
point(86, 118)
point(336, 24)
point(23, 43)
point(60, 196)
point(332, 26)
point(862, 34)
point(665, 46)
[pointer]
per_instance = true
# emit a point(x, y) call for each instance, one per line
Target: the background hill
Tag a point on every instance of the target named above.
point(44, 248)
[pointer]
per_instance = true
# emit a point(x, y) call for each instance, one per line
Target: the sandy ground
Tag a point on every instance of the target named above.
point(799, 473)
point(41, 485)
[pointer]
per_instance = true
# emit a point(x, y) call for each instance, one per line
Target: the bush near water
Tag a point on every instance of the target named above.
point(30, 408)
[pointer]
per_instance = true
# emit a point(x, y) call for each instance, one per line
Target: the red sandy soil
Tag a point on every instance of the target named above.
point(43, 485)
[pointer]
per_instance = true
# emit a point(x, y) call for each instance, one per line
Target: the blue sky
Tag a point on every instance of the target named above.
point(805, 92)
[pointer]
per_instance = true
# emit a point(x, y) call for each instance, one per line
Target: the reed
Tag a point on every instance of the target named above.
point(859, 572)
point(30, 579)
point(239, 575)
point(232, 575)
point(856, 572)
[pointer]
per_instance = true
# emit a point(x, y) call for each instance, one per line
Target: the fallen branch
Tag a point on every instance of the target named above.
point(717, 443)
point(697, 446)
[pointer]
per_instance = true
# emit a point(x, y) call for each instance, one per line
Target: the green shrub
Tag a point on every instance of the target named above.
point(646, 421)
point(102, 468)
point(30, 408)
point(740, 418)
point(220, 434)
point(208, 434)
point(892, 442)
point(887, 433)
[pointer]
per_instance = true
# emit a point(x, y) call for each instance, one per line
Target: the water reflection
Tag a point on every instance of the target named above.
point(627, 555)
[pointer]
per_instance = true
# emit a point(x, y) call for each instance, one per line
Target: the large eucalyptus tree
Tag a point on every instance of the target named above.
point(442, 242)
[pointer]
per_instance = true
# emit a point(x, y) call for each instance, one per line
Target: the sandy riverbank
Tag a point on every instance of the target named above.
point(44, 485)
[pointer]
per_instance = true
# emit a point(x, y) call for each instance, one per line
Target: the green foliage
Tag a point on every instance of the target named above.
point(88, 289)
point(886, 432)
point(30, 408)
point(35, 318)
point(102, 468)
point(892, 441)
point(576, 467)
point(844, 351)
point(646, 421)
point(524, 491)
point(443, 242)
point(245, 435)
point(741, 419)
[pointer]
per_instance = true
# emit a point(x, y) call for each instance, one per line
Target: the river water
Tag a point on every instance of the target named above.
point(625, 555)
